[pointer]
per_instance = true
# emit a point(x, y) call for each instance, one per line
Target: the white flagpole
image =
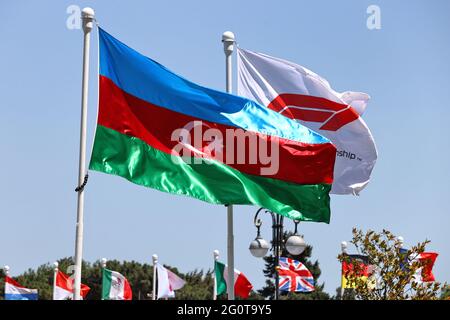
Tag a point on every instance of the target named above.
point(401, 242)
point(55, 274)
point(103, 262)
point(216, 257)
point(87, 17)
point(228, 47)
point(155, 261)
point(6, 269)
point(344, 250)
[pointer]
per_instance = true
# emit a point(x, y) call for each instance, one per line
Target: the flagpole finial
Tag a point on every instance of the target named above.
point(155, 258)
point(103, 261)
point(87, 17)
point(6, 268)
point(216, 254)
point(344, 246)
point(228, 42)
point(401, 241)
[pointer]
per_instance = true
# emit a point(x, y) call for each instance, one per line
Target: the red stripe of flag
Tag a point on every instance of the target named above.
point(154, 125)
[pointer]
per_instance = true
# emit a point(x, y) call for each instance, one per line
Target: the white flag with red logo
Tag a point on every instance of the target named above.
point(300, 94)
point(63, 287)
point(168, 282)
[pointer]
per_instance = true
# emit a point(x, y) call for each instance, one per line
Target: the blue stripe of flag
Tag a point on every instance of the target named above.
point(148, 80)
point(28, 296)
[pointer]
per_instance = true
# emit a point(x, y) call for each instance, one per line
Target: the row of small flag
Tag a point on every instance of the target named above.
point(368, 272)
point(62, 289)
point(294, 277)
point(115, 286)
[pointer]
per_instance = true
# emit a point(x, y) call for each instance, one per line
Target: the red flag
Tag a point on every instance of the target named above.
point(427, 260)
point(63, 287)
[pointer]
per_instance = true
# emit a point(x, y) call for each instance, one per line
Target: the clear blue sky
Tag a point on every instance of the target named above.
point(404, 67)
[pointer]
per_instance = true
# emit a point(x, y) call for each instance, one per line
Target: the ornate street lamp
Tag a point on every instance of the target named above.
point(259, 247)
point(295, 244)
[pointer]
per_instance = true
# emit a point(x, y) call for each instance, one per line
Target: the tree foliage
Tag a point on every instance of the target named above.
point(445, 293)
point(392, 272)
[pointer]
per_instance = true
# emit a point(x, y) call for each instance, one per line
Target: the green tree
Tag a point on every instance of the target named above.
point(348, 294)
point(445, 293)
point(199, 286)
point(268, 291)
point(392, 271)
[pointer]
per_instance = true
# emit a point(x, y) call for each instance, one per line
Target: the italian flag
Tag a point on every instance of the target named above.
point(115, 286)
point(242, 286)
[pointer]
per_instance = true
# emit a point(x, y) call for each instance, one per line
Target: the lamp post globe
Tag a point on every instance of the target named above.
point(295, 245)
point(259, 247)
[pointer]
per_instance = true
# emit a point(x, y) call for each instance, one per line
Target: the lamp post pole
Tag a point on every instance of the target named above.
point(277, 226)
point(277, 241)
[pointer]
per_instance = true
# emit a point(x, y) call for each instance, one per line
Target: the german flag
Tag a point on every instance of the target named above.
point(354, 265)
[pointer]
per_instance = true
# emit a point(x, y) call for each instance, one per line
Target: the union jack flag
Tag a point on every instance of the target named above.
point(294, 276)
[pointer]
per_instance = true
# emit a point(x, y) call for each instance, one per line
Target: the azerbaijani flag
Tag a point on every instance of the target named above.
point(242, 287)
point(115, 286)
point(145, 120)
point(15, 291)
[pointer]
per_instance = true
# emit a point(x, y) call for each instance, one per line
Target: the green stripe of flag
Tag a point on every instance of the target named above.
point(106, 283)
point(221, 284)
point(213, 182)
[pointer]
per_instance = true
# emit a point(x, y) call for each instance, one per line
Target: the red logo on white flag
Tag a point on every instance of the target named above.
point(333, 115)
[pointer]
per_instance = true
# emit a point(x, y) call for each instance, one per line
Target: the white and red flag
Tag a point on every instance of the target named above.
point(168, 282)
point(300, 94)
point(63, 287)
point(424, 273)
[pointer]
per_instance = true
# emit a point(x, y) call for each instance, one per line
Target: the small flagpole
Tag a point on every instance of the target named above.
point(55, 274)
point(216, 257)
point(228, 46)
point(87, 17)
point(103, 263)
point(155, 261)
point(344, 251)
point(6, 269)
point(401, 242)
